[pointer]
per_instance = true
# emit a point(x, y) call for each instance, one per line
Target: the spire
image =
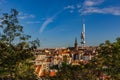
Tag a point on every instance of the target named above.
point(76, 44)
point(75, 39)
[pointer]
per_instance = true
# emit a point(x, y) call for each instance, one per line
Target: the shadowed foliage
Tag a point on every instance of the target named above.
point(16, 55)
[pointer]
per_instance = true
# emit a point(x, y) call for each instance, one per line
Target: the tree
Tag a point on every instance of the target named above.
point(14, 56)
point(107, 62)
point(10, 26)
point(35, 43)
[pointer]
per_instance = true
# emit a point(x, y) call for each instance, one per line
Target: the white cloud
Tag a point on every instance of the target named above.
point(33, 22)
point(109, 10)
point(91, 6)
point(90, 10)
point(46, 22)
point(25, 16)
point(85, 7)
point(112, 10)
point(93, 2)
point(49, 20)
point(69, 7)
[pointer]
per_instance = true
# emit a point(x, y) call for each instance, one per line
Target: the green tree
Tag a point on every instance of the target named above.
point(107, 62)
point(15, 57)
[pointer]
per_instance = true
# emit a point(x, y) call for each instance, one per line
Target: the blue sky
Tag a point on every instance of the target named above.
point(57, 22)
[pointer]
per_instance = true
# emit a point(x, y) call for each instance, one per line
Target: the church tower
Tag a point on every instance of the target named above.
point(76, 44)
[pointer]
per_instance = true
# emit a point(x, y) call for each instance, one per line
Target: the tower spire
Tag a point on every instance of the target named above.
point(75, 39)
point(76, 44)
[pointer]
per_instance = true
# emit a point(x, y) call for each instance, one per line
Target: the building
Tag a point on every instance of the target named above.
point(72, 55)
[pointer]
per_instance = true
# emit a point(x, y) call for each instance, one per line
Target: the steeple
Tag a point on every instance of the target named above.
point(76, 40)
point(76, 44)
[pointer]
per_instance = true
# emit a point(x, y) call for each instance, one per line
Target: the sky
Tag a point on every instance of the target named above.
point(57, 22)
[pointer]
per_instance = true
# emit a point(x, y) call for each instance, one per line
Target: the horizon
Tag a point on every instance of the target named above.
point(57, 23)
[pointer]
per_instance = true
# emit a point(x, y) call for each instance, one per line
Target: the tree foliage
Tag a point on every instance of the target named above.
point(15, 57)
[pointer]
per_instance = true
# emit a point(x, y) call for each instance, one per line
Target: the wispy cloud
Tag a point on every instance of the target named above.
point(25, 15)
point(69, 7)
point(37, 22)
point(90, 10)
point(109, 10)
point(92, 6)
point(93, 2)
point(33, 22)
point(48, 21)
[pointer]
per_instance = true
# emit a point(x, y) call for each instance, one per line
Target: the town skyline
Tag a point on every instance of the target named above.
point(57, 23)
